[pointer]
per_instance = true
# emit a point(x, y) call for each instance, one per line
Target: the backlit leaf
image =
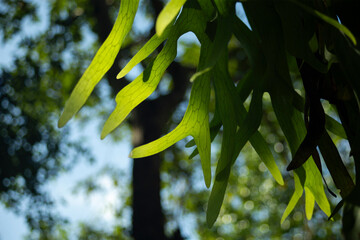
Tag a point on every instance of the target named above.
point(294, 198)
point(143, 53)
point(309, 203)
point(196, 119)
point(145, 84)
point(168, 14)
point(194, 123)
point(102, 61)
point(141, 88)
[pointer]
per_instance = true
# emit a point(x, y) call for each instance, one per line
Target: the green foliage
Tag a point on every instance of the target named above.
point(168, 14)
point(102, 62)
point(286, 39)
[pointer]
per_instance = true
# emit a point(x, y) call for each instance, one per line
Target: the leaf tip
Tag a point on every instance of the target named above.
point(159, 31)
point(120, 74)
point(280, 181)
point(135, 153)
point(208, 182)
point(284, 216)
point(104, 132)
point(210, 218)
point(63, 120)
point(102, 136)
point(291, 166)
point(60, 124)
point(209, 222)
point(190, 144)
point(199, 73)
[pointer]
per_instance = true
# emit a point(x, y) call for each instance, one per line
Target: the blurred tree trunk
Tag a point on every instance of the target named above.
point(148, 122)
point(148, 218)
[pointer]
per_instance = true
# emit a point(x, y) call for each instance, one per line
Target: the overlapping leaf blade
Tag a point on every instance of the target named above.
point(194, 123)
point(234, 141)
point(144, 52)
point(331, 124)
point(215, 126)
point(267, 26)
point(225, 104)
point(196, 119)
point(141, 88)
point(252, 48)
point(309, 176)
point(327, 19)
point(145, 84)
point(294, 198)
point(276, 27)
point(297, 33)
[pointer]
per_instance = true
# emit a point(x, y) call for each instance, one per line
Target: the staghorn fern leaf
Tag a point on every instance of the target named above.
point(102, 61)
point(277, 45)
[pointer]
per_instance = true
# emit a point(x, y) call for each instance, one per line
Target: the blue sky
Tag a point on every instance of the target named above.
point(96, 208)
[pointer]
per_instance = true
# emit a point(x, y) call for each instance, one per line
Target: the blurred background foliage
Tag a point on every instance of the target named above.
point(52, 51)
